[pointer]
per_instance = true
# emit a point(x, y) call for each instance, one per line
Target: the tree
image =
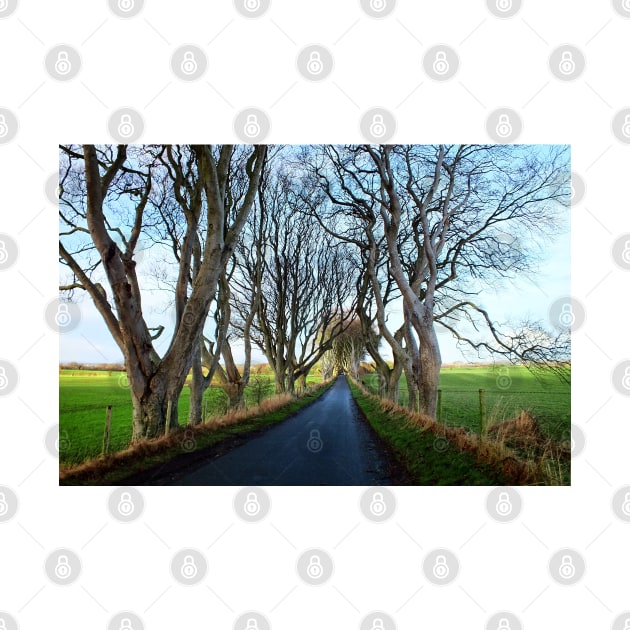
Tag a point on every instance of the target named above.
point(104, 186)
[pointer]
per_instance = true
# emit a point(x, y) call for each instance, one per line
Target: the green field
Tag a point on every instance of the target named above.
point(508, 390)
point(85, 395)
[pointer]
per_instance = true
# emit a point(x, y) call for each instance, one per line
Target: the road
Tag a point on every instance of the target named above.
point(326, 443)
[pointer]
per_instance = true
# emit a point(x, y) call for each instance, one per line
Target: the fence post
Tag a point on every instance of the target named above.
point(108, 424)
point(168, 417)
point(482, 412)
point(439, 406)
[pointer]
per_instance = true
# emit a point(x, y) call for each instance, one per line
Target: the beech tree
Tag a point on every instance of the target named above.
point(105, 191)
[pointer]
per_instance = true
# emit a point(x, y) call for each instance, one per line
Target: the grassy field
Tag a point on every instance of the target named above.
point(84, 396)
point(508, 391)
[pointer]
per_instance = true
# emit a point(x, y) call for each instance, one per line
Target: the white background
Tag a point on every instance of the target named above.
point(252, 63)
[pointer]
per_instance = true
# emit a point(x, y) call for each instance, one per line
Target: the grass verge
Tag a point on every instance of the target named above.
point(151, 460)
point(435, 454)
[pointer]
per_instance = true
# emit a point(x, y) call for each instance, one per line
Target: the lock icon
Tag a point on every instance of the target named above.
point(126, 5)
point(314, 569)
point(567, 568)
point(4, 128)
point(625, 381)
point(252, 505)
point(252, 624)
point(252, 127)
point(440, 63)
point(125, 505)
point(625, 129)
point(62, 65)
point(125, 127)
point(377, 505)
point(625, 254)
point(504, 5)
point(504, 505)
point(504, 380)
point(314, 64)
point(378, 5)
point(626, 625)
point(315, 443)
point(504, 126)
point(567, 63)
point(3, 625)
point(125, 624)
point(189, 63)
point(189, 568)
point(378, 624)
point(4, 381)
point(566, 317)
point(378, 128)
point(626, 7)
point(440, 568)
point(62, 317)
point(504, 624)
point(4, 254)
point(4, 506)
point(63, 570)
point(252, 5)
point(625, 506)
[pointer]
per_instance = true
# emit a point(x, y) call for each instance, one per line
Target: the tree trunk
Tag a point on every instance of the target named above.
point(197, 389)
point(301, 383)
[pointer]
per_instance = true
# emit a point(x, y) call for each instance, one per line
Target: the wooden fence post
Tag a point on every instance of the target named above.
point(168, 417)
point(108, 424)
point(439, 406)
point(482, 412)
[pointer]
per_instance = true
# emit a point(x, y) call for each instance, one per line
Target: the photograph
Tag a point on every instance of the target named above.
point(314, 315)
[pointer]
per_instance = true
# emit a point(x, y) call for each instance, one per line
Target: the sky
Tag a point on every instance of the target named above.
point(508, 302)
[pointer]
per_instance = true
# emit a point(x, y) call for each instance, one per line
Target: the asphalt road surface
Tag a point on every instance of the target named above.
point(326, 443)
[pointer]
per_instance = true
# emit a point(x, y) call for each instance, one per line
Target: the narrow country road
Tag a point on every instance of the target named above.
point(327, 443)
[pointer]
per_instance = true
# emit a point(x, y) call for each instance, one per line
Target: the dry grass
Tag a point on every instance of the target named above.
point(517, 448)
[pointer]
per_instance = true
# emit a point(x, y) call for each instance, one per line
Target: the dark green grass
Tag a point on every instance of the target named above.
point(84, 397)
point(428, 458)
point(508, 391)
